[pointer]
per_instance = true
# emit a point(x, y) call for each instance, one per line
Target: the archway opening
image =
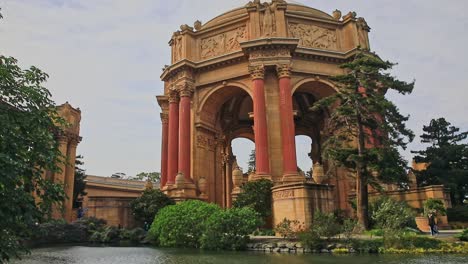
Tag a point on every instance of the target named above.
point(243, 150)
point(303, 154)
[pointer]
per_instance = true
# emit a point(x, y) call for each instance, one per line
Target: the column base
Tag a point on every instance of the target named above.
point(181, 191)
point(235, 193)
point(260, 176)
point(293, 177)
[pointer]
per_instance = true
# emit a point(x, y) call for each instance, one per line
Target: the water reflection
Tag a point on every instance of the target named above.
point(117, 255)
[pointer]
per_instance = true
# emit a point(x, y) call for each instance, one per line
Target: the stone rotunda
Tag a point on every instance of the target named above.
point(254, 72)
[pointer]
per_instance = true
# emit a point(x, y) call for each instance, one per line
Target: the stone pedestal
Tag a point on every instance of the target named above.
point(182, 190)
point(299, 201)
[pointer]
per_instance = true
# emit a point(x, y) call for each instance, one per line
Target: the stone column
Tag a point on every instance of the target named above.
point(164, 148)
point(288, 133)
point(186, 92)
point(70, 179)
point(173, 137)
point(262, 163)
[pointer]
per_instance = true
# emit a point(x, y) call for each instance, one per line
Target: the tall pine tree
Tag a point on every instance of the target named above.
point(447, 158)
point(366, 128)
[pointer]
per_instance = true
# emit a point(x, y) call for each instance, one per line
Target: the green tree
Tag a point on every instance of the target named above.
point(447, 158)
point(28, 148)
point(365, 127)
point(149, 203)
point(80, 183)
point(144, 176)
point(251, 163)
point(256, 195)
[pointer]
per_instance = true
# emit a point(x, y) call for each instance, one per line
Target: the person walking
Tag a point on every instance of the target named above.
point(431, 217)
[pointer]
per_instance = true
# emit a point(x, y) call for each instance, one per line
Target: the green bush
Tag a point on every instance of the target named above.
point(288, 228)
point(181, 225)
point(256, 195)
point(458, 213)
point(229, 229)
point(325, 225)
point(311, 240)
point(436, 205)
point(58, 231)
point(149, 203)
point(463, 236)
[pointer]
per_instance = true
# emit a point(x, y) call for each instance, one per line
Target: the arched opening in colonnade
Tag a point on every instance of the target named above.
point(226, 116)
point(310, 124)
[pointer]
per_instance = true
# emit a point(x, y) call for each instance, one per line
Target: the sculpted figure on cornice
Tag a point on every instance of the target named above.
point(223, 43)
point(177, 42)
point(312, 36)
point(269, 24)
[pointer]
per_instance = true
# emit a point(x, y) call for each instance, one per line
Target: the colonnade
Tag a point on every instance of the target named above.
point(176, 134)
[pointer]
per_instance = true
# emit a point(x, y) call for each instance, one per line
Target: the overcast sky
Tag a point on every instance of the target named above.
point(105, 56)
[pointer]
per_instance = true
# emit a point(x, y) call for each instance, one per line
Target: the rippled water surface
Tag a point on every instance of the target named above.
point(127, 255)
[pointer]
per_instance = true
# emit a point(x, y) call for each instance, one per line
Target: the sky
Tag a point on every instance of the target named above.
point(106, 56)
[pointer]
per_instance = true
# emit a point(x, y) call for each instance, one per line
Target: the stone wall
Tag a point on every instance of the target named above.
point(299, 201)
point(115, 210)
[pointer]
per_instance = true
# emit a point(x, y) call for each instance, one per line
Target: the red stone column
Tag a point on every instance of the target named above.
point(173, 137)
point(288, 133)
point(164, 148)
point(184, 131)
point(260, 125)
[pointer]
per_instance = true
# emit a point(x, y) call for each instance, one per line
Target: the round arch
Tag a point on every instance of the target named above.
point(319, 84)
point(221, 93)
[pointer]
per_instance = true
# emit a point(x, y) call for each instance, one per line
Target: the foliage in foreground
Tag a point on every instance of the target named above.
point(29, 122)
point(149, 203)
point(256, 195)
point(198, 224)
point(361, 116)
point(229, 229)
point(434, 205)
point(463, 236)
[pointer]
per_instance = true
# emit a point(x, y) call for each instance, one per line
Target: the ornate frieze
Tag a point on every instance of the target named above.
point(257, 72)
point(283, 194)
point(311, 36)
point(206, 142)
point(283, 70)
point(266, 53)
point(223, 43)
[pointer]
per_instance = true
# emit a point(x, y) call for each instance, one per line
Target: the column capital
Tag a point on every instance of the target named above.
point(173, 96)
point(186, 89)
point(164, 118)
point(284, 70)
point(257, 72)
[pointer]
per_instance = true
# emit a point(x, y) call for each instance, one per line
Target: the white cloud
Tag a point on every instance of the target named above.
point(105, 56)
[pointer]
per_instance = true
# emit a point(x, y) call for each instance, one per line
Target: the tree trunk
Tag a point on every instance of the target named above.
point(361, 179)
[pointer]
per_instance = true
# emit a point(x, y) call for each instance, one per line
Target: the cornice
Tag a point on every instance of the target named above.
point(268, 43)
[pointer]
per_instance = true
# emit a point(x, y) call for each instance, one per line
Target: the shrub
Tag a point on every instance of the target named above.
point(289, 228)
point(181, 225)
point(436, 205)
point(149, 203)
point(137, 235)
point(229, 229)
point(325, 225)
point(348, 228)
point(311, 240)
point(367, 245)
point(463, 236)
point(58, 231)
point(256, 195)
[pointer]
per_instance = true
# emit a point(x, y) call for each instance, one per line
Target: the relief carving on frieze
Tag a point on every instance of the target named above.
point(269, 53)
point(223, 43)
point(206, 142)
point(311, 36)
point(283, 194)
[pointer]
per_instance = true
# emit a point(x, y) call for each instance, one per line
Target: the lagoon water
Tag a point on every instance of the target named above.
point(137, 255)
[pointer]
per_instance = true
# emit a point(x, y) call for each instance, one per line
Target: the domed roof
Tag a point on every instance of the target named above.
point(242, 11)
